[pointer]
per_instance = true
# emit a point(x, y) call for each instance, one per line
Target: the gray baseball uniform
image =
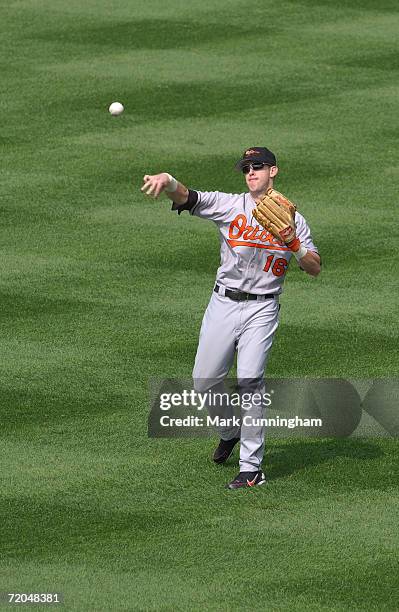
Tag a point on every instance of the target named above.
point(251, 261)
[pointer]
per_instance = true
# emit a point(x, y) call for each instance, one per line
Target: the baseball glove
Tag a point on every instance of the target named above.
point(276, 213)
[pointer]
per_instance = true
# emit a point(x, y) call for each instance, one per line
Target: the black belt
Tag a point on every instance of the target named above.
point(241, 296)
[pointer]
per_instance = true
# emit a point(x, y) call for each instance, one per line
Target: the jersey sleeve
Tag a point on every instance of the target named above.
point(303, 233)
point(213, 205)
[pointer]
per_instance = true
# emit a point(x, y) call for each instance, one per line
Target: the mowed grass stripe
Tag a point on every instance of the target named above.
point(123, 533)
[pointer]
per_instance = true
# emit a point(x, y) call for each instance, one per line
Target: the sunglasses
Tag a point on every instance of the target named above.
point(253, 166)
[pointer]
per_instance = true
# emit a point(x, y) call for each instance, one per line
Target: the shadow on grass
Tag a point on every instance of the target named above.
point(286, 459)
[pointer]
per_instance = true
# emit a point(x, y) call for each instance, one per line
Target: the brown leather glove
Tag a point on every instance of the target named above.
point(276, 213)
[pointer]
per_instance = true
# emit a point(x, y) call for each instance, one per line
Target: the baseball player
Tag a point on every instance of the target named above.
point(260, 232)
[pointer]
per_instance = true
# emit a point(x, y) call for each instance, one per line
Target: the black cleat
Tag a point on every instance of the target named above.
point(247, 479)
point(224, 450)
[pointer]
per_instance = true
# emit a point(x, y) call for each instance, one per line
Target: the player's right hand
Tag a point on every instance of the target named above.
point(154, 184)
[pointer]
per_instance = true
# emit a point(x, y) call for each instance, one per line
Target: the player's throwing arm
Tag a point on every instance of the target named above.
point(155, 184)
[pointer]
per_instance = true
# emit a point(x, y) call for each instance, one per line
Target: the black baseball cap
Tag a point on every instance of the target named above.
point(256, 154)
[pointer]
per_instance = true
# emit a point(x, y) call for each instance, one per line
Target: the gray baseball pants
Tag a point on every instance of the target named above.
point(248, 328)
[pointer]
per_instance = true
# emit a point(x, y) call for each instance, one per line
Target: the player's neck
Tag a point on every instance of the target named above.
point(256, 195)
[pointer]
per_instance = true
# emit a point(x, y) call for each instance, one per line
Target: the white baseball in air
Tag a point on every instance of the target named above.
point(116, 108)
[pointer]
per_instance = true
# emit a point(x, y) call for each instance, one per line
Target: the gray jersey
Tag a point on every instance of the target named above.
point(251, 259)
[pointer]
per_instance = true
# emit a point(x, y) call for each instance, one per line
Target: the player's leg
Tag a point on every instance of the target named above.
point(215, 354)
point(217, 340)
point(255, 342)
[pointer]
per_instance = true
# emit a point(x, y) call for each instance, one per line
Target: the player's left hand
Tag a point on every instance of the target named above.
point(276, 213)
point(154, 184)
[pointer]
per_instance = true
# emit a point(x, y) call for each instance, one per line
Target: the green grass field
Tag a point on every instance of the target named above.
point(102, 289)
